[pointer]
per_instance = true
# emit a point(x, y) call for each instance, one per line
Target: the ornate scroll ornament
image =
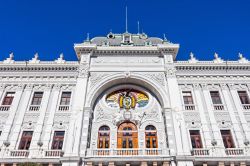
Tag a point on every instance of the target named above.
point(83, 70)
point(96, 77)
point(170, 72)
point(158, 77)
point(223, 86)
point(2, 86)
point(196, 86)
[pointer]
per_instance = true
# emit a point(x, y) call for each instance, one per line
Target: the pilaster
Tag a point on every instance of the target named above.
point(51, 111)
point(12, 112)
point(76, 120)
point(238, 106)
point(181, 135)
point(40, 123)
point(235, 123)
point(17, 124)
point(210, 113)
point(204, 120)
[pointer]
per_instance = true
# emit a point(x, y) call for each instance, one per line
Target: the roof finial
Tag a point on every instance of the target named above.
point(138, 27)
point(126, 19)
point(164, 37)
point(87, 37)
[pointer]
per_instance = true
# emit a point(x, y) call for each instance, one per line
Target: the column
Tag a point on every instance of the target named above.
point(12, 112)
point(56, 90)
point(204, 120)
point(17, 124)
point(40, 122)
point(144, 163)
point(2, 87)
point(165, 163)
point(180, 130)
point(206, 97)
point(231, 111)
point(238, 106)
point(111, 164)
point(221, 163)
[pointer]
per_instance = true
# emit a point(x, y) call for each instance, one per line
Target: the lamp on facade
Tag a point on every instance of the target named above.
point(40, 143)
point(6, 143)
point(246, 142)
point(214, 142)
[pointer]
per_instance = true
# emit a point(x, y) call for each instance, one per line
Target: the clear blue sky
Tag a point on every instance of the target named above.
point(50, 27)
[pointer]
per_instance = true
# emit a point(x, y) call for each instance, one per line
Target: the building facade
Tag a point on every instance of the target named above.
point(126, 101)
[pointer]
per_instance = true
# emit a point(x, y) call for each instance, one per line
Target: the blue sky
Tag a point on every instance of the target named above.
point(50, 27)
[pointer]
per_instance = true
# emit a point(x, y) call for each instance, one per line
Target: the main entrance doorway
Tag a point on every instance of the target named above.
point(127, 136)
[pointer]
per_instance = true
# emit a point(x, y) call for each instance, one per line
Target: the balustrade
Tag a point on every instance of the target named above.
point(34, 108)
point(4, 108)
point(126, 152)
point(63, 108)
point(234, 151)
point(200, 152)
point(189, 107)
point(246, 106)
point(19, 153)
point(218, 107)
point(53, 153)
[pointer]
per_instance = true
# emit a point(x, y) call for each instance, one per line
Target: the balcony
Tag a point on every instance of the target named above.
point(246, 106)
point(200, 152)
point(19, 153)
point(218, 107)
point(53, 153)
point(34, 108)
point(189, 107)
point(5, 108)
point(63, 108)
point(126, 152)
point(234, 151)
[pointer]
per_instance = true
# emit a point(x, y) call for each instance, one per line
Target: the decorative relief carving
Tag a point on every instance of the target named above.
point(158, 77)
point(223, 119)
point(83, 70)
point(96, 77)
point(191, 116)
point(170, 72)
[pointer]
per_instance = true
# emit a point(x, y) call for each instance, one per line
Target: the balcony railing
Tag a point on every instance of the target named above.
point(34, 108)
point(246, 106)
point(5, 108)
point(127, 152)
point(53, 153)
point(63, 108)
point(218, 107)
point(234, 151)
point(189, 107)
point(19, 153)
point(200, 152)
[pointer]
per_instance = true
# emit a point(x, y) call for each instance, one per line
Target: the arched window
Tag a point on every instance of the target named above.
point(127, 136)
point(103, 137)
point(151, 137)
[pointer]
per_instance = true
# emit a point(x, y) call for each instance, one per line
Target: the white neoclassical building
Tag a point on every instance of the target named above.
point(126, 101)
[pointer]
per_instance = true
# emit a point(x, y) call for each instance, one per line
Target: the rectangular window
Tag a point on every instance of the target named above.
point(58, 138)
point(37, 98)
point(215, 95)
point(25, 140)
point(227, 139)
point(9, 96)
point(65, 98)
point(187, 97)
point(244, 97)
point(195, 138)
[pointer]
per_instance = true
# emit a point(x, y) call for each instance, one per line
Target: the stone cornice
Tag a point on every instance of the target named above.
point(21, 66)
point(211, 65)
